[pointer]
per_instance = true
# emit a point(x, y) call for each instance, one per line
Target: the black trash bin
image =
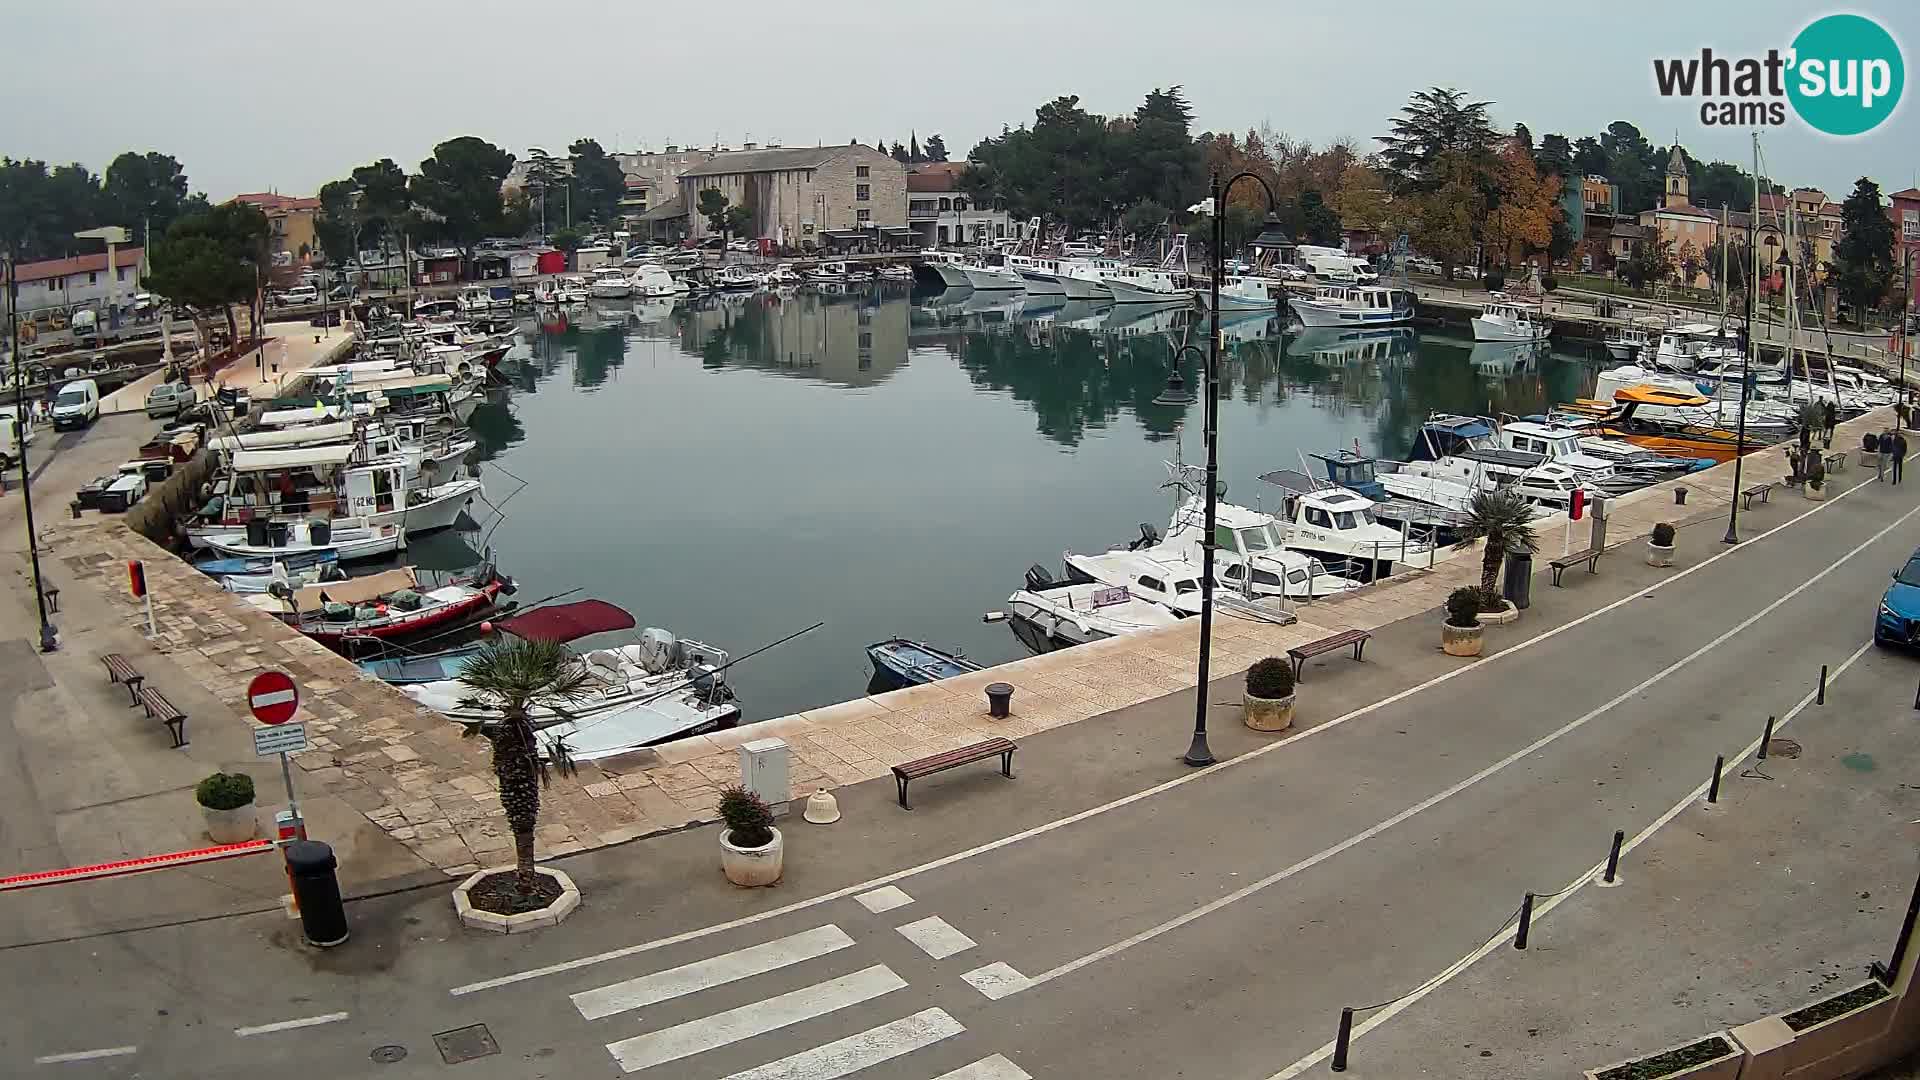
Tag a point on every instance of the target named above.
point(1518, 586)
point(257, 532)
point(277, 532)
point(322, 532)
point(323, 917)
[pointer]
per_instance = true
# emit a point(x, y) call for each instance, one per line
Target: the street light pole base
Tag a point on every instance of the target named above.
point(49, 638)
point(1731, 537)
point(1199, 755)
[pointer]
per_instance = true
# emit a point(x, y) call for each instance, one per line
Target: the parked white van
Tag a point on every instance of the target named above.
point(12, 435)
point(77, 405)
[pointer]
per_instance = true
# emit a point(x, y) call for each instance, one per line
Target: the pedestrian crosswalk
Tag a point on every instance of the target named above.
point(643, 1003)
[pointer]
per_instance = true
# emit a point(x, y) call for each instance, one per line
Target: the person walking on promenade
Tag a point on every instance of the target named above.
point(1831, 417)
point(1899, 455)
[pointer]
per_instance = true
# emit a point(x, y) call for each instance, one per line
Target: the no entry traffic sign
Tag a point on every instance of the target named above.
point(273, 697)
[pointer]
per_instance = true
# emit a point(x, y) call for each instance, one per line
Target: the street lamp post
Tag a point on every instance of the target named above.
point(49, 637)
point(1746, 364)
point(1198, 753)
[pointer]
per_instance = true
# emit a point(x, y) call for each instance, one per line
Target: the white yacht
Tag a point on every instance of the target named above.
point(1450, 483)
point(1353, 305)
point(1507, 320)
point(609, 284)
point(1049, 614)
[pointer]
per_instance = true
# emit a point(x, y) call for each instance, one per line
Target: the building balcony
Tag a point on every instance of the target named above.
point(918, 214)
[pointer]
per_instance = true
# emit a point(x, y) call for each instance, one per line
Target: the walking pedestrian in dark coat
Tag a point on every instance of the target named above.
point(1832, 417)
point(1899, 455)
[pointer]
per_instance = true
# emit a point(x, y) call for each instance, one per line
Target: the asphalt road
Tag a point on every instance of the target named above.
point(1208, 926)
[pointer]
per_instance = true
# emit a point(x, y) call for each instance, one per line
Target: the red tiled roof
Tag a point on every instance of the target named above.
point(1910, 193)
point(273, 201)
point(1772, 203)
point(79, 264)
point(936, 177)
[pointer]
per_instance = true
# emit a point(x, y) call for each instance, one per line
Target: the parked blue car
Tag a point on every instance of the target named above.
point(1899, 620)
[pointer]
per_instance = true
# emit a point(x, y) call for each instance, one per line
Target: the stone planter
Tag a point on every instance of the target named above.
point(1659, 556)
point(1269, 714)
point(1816, 494)
point(1725, 1066)
point(1507, 614)
point(231, 826)
point(752, 867)
point(562, 906)
point(1840, 1045)
point(1461, 640)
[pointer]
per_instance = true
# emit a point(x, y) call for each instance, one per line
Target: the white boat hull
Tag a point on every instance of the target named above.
point(1125, 292)
point(1079, 288)
point(352, 544)
point(985, 279)
point(951, 276)
point(1485, 329)
point(1315, 313)
point(1041, 284)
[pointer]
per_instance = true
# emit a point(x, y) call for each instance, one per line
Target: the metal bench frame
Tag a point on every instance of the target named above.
point(952, 759)
point(1300, 654)
point(1591, 557)
point(159, 708)
point(121, 672)
point(1763, 492)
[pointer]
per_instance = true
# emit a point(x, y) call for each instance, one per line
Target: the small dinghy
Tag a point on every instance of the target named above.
point(899, 662)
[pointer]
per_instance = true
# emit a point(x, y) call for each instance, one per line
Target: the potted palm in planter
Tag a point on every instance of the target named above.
point(1461, 634)
point(751, 850)
point(1270, 695)
point(1660, 545)
point(1504, 520)
point(227, 801)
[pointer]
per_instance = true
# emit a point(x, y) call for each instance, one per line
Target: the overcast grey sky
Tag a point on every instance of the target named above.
point(286, 95)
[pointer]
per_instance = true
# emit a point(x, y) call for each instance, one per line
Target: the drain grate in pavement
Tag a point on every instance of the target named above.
point(1783, 748)
point(387, 1055)
point(465, 1044)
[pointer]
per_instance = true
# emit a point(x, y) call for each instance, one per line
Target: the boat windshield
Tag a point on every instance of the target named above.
point(1565, 447)
point(1910, 573)
point(1351, 519)
point(1255, 538)
point(1186, 585)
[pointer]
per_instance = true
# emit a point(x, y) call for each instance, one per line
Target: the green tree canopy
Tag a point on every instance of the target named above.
point(41, 208)
point(144, 192)
point(1434, 123)
point(712, 205)
point(598, 182)
point(936, 148)
point(209, 262)
point(460, 186)
point(1863, 262)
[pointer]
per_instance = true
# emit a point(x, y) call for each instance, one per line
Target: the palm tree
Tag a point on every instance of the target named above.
point(1504, 520)
point(513, 678)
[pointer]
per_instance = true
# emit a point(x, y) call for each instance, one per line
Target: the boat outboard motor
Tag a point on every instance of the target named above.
point(1038, 579)
point(1149, 536)
point(656, 650)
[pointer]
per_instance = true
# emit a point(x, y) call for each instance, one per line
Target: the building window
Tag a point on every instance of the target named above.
point(861, 170)
point(866, 341)
point(863, 215)
point(946, 204)
point(960, 204)
point(999, 230)
point(1910, 224)
point(862, 193)
point(93, 278)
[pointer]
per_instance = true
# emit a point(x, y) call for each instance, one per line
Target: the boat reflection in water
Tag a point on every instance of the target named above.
point(1330, 346)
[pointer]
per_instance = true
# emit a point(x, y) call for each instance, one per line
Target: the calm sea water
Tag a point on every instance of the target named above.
point(889, 464)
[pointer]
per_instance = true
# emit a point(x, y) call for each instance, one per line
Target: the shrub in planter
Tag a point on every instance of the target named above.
point(1548, 282)
point(1461, 634)
point(1494, 281)
point(1660, 545)
point(1269, 698)
point(226, 800)
point(751, 852)
point(1870, 442)
point(1816, 471)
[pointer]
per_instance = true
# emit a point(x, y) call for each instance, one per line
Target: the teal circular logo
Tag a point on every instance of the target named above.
point(1847, 74)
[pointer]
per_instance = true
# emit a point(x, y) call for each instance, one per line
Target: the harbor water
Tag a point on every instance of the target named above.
point(888, 463)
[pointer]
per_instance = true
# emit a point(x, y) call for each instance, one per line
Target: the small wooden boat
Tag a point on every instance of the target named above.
point(900, 662)
point(422, 668)
point(383, 606)
point(293, 560)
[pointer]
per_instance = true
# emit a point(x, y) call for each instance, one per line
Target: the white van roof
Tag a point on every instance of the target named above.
point(82, 384)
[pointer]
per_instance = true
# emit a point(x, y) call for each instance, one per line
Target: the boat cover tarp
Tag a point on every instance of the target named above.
point(354, 590)
point(283, 437)
point(567, 622)
point(293, 458)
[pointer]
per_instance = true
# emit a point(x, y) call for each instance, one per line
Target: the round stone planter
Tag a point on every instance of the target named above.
point(1816, 494)
point(1461, 640)
point(752, 867)
point(1659, 556)
point(1507, 613)
point(562, 906)
point(1269, 714)
point(234, 826)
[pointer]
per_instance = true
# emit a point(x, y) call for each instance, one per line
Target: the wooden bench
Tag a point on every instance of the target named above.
point(1757, 491)
point(159, 708)
point(1300, 654)
point(1590, 556)
point(951, 759)
point(119, 671)
point(1837, 462)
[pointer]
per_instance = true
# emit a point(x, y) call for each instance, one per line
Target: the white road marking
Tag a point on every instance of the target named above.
point(996, 980)
point(1443, 795)
point(882, 900)
point(936, 937)
point(289, 1025)
point(1591, 877)
point(715, 971)
point(757, 1018)
point(1146, 793)
point(855, 1052)
point(85, 1055)
point(988, 1068)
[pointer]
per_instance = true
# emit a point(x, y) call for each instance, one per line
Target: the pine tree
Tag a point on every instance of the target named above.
point(1863, 266)
point(913, 148)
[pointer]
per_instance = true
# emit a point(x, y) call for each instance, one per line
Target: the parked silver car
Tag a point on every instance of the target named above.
point(167, 399)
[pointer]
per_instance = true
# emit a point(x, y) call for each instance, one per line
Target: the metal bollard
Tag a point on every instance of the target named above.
point(1713, 789)
point(999, 700)
point(1613, 857)
point(1679, 496)
point(1765, 738)
point(323, 917)
point(1820, 698)
point(1340, 1041)
point(1916, 697)
point(1526, 922)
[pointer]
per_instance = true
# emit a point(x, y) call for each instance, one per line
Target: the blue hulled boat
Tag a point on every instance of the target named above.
point(899, 662)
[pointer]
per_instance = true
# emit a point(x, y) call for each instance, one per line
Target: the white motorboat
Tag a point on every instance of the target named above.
point(1637, 339)
point(1251, 551)
point(1247, 292)
point(654, 282)
point(317, 574)
point(948, 266)
point(572, 290)
point(1507, 320)
point(1558, 444)
point(895, 272)
point(474, 300)
point(352, 540)
point(1172, 578)
point(609, 284)
point(828, 273)
point(1768, 418)
point(273, 487)
point(1049, 614)
point(736, 278)
point(781, 275)
point(1085, 279)
point(1336, 525)
point(985, 277)
point(1353, 305)
point(1690, 345)
point(1039, 275)
point(1143, 285)
point(637, 695)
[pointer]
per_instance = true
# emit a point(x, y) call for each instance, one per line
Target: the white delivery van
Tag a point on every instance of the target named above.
point(77, 405)
point(13, 434)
